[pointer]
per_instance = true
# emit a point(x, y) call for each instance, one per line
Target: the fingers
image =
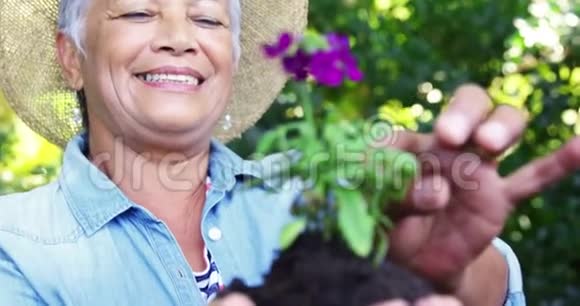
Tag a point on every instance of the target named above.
point(233, 299)
point(468, 118)
point(501, 130)
point(537, 175)
point(410, 141)
point(469, 107)
point(428, 195)
point(439, 300)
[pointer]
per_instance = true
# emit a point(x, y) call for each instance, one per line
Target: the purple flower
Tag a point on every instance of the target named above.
point(330, 67)
point(338, 42)
point(279, 48)
point(351, 68)
point(326, 69)
point(297, 64)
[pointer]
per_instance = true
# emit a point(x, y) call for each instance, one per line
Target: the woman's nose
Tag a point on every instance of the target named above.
point(176, 37)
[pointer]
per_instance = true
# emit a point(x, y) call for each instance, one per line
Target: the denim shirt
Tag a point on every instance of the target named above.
point(79, 241)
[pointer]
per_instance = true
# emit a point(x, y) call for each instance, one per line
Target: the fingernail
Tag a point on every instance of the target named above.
point(456, 128)
point(494, 135)
point(431, 194)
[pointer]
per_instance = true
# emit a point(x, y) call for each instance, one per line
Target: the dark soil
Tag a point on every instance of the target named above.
point(317, 273)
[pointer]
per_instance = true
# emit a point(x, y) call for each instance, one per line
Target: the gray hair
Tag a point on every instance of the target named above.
point(72, 20)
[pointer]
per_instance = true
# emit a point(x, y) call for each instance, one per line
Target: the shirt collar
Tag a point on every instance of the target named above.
point(95, 200)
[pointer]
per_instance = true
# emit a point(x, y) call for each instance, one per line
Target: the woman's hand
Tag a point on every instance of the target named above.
point(236, 299)
point(461, 203)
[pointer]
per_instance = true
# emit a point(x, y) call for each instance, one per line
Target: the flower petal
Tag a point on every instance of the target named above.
point(337, 41)
point(285, 40)
point(326, 68)
point(354, 74)
point(297, 64)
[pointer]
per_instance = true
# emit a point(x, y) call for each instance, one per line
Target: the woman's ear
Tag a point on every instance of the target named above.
point(69, 58)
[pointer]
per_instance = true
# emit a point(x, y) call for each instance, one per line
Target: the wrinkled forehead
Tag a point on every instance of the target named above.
point(124, 3)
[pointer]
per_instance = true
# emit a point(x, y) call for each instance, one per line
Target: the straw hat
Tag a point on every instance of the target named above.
point(31, 81)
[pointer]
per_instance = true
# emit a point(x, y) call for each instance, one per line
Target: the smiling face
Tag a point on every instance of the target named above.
point(155, 70)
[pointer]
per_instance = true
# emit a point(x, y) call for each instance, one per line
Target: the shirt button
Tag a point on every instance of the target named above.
point(215, 234)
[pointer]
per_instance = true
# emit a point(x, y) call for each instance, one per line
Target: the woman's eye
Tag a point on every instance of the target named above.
point(208, 22)
point(137, 15)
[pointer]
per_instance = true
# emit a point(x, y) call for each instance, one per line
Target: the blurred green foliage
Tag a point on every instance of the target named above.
point(414, 54)
point(26, 160)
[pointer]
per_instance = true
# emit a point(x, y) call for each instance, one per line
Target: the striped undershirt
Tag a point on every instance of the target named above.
point(209, 282)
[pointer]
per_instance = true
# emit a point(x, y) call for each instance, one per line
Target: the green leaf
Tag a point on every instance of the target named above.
point(401, 169)
point(386, 222)
point(355, 223)
point(268, 142)
point(313, 41)
point(382, 248)
point(291, 231)
point(407, 174)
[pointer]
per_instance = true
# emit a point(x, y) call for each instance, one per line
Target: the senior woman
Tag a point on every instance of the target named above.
point(150, 209)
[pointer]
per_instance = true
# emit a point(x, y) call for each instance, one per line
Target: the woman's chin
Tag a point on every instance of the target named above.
point(175, 132)
point(167, 143)
point(169, 125)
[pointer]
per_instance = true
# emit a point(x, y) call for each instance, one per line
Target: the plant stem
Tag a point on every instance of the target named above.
point(303, 91)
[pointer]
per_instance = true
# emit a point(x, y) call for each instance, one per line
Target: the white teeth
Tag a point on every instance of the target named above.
point(170, 78)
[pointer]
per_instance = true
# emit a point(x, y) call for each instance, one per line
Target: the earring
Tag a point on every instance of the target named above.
point(227, 122)
point(77, 117)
